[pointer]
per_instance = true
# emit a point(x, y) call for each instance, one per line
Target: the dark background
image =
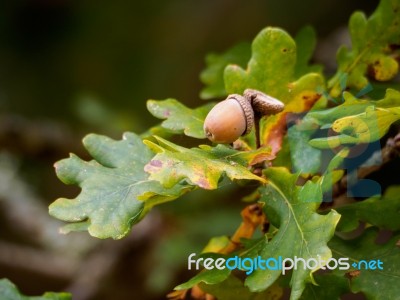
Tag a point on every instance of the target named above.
point(68, 68)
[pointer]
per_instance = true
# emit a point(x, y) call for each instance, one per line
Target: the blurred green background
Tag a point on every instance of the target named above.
point(68, 68)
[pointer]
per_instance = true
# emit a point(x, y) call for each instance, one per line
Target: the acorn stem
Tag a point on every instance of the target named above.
point(257, 130)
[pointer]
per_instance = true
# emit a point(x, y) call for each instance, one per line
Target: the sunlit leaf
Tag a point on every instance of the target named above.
point(358, 121)
point(212, 276)
point(273, 49)
point(180, 119)
point(274, 128)
point(353, 106)
point(368, 126)
point(306, 40)
point(371, 50)
point(216, 244)
point(213, 75)
point(202, 167)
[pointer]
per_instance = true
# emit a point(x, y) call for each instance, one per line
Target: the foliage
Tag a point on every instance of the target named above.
point(127, 178)
point(371, 282)
point(357, 121)
point(382, 212)
point(179, 118)
point(372, 42)
point(212, 76)
point(194, 164)
point(116, 191)
point(329, 287)
point(302, 232)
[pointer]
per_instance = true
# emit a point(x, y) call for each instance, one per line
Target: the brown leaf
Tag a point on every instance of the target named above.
point(353, 274)
point(195, 293)
point(253, 217)
point(274, 128)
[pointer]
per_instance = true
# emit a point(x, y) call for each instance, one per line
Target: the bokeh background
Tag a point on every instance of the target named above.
point(68, 68)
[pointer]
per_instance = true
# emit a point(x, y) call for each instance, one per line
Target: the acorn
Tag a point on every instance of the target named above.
point(229, 119)
point(235, 116)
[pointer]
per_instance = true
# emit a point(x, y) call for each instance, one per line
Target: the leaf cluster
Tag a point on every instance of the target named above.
point(304, 153)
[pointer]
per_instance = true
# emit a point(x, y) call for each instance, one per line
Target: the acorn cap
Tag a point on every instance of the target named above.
point(263, 104)
point(247, 109)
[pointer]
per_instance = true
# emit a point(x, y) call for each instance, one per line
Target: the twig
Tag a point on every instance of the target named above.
point(384, 156)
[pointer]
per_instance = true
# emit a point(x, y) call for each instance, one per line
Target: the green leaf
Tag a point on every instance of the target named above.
point(306, 40)
point(352, 106)
point(372, 283)
point(232, 289)
point(159, 131)
point(216, 276)
point(116, 192)
point(366, 127)
point(304, 157)
point(329, 287)
point(252, 157)
point(271, 68)
point(383, 212)
point(331, 175)
point(371, 52)
point(180, 119)
point(73, 227)
point(202, 166)
point(216, 244)
point(283, 158)
point(8, 291)
point(357, 121)
point(302, 232)
point(212, 276)
point(213, 75)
